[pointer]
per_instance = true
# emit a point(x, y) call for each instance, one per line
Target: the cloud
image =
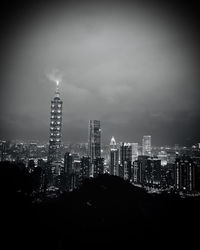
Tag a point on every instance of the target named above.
point(135, 69)
point(54, 75)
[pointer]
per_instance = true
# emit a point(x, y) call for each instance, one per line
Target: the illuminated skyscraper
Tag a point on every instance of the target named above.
point(68, 170)
point(153, 172)
point(125, 160)
point(98, 166)
point(185, 174)
point(146, 145)
point(114, 157)
point(85, 168)
point(134, 151)
point(94, 139)
point(68, 163)
point(55, 127)
point(94, 145)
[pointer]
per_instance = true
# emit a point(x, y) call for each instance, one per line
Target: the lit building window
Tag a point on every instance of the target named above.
point(52, 110)
point(59, 111)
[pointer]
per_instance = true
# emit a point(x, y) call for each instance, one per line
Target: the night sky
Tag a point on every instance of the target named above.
point(132, 65)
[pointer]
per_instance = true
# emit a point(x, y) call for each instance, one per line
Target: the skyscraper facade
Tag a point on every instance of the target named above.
point(85, 168)
point(55, 128)
point(134, 151)
point(114, 157)
point(139, 166)
point(125, 160)
point(153, 172)
point(98, 166)
point(146, 145)
point(185, 174)
point(68, 163)
point(94, 139)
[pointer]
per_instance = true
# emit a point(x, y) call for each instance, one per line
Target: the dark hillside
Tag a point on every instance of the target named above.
point(105, 211)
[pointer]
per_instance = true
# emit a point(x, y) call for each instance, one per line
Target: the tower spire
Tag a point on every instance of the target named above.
point(57, 84)
point(57, 93)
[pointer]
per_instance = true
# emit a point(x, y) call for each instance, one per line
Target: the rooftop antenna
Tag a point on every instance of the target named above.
point(57, 94)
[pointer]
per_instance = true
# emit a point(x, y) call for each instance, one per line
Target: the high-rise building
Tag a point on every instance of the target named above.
point(153, 172)
point(196, 161)
point(98, 166)
point(68, 163)
point(140, 166)
point(114, 157)
point(147, 171)
point(68, 170)
point(125, 160)
point(146, 145)
point(85, 168)
point(94, 143)
point(76, 174)
point(134, 151)
point(94, 139)
point(185, 174)
point(55, 128)
point(162, 155)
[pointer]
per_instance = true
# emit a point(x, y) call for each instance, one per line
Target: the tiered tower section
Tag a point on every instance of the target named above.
point(55, 127)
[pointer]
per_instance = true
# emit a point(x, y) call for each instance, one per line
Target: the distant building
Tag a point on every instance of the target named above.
point(114, 157)
point(85, 168)
point(146, 145)
point(147, 171)
point(135, 151)
point(41, 163)
point(125, 161)
point(76, 174)
point(98, 166)
point(162, 155)
point(139, 169)
point(94, 142)
point(55, 128)
point(185, 174)
point(94, 139)
point(32, 150)
point(153, 172)
point(167, 176)
point(68, 163)
point(68, 170)
point(2, 150)
point(31, 165)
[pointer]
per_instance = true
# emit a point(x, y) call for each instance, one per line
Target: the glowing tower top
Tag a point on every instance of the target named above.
point(113, 143)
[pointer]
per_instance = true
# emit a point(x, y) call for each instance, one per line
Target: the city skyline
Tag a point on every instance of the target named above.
point(132, 66)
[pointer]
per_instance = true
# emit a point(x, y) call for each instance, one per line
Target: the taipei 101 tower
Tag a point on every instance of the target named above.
point(55, 127)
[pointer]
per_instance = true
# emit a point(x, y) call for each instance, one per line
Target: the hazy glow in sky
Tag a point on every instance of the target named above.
point(132, 66)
